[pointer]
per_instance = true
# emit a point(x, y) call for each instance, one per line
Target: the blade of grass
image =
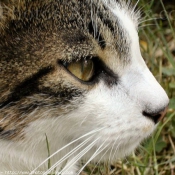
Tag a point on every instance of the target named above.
point(171, 27)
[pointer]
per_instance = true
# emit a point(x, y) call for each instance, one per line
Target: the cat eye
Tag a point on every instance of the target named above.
point(82, 69)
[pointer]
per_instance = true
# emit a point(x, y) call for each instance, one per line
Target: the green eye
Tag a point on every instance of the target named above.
point(83, 69)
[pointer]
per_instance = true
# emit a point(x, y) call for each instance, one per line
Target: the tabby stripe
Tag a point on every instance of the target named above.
point(27, 87)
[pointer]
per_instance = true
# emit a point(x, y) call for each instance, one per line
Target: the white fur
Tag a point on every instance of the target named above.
point(113, 113)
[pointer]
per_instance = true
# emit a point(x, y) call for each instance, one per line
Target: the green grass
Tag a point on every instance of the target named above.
point(157, 155)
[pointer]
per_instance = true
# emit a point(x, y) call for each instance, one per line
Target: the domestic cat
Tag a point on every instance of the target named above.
point(73, 85)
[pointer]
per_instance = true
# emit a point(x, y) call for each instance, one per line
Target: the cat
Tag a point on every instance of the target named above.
point(73, 85)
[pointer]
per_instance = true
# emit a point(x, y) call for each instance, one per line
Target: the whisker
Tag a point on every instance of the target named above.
point(135, 6)
point(115, 150)
point(98, 151)
point(112, 149)
point(100, 160)
point(78, 156)
point(140, 22)
point(67, 155)
point(87, 134)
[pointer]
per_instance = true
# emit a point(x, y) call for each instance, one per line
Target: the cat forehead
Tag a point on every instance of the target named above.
point(112, 24)
point(71, 24)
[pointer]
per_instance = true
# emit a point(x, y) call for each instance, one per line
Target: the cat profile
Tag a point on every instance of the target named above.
point(73, 85)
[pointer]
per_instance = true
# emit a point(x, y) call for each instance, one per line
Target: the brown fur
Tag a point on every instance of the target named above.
point(34, 36)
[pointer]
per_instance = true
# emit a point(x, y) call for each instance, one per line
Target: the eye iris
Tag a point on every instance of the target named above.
point(83, 69)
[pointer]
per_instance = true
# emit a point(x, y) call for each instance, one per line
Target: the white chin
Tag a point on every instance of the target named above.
point(110, 152)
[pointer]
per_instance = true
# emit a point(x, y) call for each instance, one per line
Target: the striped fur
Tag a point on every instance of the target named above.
point(100, 120)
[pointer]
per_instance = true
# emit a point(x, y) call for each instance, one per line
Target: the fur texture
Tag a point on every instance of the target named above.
point(101, 120)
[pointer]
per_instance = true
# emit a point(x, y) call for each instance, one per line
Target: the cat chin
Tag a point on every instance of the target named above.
point(112, 152)
point(114, 155)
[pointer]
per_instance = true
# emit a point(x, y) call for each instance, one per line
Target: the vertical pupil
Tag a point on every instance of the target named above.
point(83, 69)
point(87, 70)
point(85, 65)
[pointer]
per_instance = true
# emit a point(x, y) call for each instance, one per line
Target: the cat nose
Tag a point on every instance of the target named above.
point(156, 116)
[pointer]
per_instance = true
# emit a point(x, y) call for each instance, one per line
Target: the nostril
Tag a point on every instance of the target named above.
point(152, 116)
point(155, 116)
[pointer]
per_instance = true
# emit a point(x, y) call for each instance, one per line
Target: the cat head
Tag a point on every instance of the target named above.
point(70, 68)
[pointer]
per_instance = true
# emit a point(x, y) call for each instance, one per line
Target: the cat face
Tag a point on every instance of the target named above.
point(75, 71)
point(123, 98)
